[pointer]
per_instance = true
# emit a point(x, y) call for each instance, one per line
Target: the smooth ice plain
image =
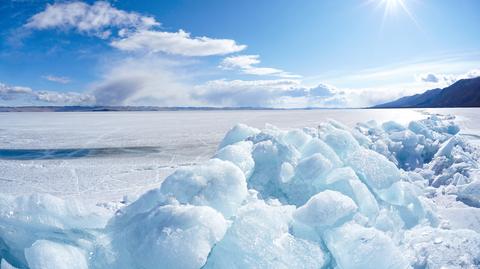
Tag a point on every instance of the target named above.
point(283, 189)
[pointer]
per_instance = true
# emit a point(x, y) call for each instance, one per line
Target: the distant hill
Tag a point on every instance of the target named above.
point(116, 108)
point(463, 93)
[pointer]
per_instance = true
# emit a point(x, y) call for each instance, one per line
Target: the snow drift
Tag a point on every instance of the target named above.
point(376, 196)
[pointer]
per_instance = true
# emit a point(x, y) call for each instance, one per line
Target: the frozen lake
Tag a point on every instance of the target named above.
point(104, 155)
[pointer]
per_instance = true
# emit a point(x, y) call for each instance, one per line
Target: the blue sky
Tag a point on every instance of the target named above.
point(349, 53)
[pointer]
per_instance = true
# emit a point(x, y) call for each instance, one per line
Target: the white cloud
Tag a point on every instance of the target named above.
point(472, 73)
point(180, 43)
point(446, 79)
point(280, 93)
point(6, 92)
point(15, 95)
point(143, 81)
point(95, 19)
point(65, 98)
point(62, 80)
point(135, 32)
point(246, 64)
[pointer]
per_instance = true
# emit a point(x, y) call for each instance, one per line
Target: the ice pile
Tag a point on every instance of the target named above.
point(431, 150)
point(376, 196)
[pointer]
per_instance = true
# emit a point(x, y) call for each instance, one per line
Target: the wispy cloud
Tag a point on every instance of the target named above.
point(247, 65)
point(149, 80)
point(62, 80)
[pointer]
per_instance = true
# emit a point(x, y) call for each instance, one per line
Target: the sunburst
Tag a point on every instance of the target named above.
point(390, 7)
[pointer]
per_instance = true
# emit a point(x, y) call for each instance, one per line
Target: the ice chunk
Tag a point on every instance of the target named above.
point(446, 148)
point(407, 137)
point(326, 209)
point(219, 184)
point(26, 219)
point(461, 217)
point(356, 247)
point(338, 125)
point(313, 168)
point(48, 210)
point(287, 171)
point(341, 141)
point(389, 222)
point(238, 133)
point(271, 170)
point(240, 154)
point(362, 139)
point(5, 265)
point(302, 185)
point(404, 196)
point(45, 254)
point(345, 180)
point(260, 238)
point(316, 145)
point(392, 126)
point(470, 194)
point(373, 169)
point(435, 248)
point(296, 138)
point(173, 236)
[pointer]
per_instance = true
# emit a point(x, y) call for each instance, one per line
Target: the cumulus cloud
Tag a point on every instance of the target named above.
point(127, 31)
point(265, 93)
point(96, 19)
point(62, 80)
point(437, 78)
point(155, 81)
point(12, 92)
point(472, 74)
point(26, 96)
point(446, 79)
point(247, 65)
point(180, 43)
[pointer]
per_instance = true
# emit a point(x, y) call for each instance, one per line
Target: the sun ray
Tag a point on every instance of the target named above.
point(390, 7)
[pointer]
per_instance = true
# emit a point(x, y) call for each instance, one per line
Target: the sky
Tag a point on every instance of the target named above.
point(222, 53)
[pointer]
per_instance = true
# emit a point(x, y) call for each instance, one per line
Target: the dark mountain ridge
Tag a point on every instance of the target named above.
point(463, 93)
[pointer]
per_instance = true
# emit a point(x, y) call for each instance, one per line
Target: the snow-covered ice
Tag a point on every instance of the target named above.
point(372, 195)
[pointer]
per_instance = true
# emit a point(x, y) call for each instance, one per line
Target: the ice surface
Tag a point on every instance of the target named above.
point(376, 195)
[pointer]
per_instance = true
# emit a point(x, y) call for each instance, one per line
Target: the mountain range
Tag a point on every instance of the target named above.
point(463, 93)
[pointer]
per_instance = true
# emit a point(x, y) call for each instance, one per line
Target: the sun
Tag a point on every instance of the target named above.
point(393, 7)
